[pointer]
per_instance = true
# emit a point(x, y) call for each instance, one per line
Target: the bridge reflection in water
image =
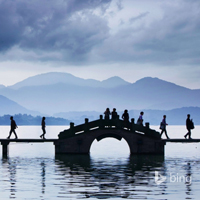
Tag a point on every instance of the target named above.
point(102, 179)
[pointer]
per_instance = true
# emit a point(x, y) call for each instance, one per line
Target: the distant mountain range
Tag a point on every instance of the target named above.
point(10, 107)
point(57, 92)
point(53, 78)
point(154, 117)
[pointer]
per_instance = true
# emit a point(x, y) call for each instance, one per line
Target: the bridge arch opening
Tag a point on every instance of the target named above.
point(109, 146)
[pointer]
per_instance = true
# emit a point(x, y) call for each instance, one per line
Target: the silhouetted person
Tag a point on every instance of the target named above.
point(107, 114)
point(189, 126)
point(125, 117)
point(140, 119)
point(43, 128)
point(13, 126)
point(163, 127)
point(114, 114)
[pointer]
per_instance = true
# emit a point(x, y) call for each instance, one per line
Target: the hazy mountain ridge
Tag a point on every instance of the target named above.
point(59, 95)
point(52, 78)
point(2, 86)
point(10, 107)
point(154, 117)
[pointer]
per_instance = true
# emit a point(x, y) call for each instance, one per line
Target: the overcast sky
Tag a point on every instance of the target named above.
point(101, 38)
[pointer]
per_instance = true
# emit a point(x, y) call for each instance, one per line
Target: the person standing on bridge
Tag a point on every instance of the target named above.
point(107, 114)
point(189, 126)
point(43, 128)
point(163, 126)
point(13, 126)
point(114, 114)
point(125, 116)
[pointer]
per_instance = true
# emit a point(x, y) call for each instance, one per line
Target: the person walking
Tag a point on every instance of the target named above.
point(43, 128)
point(13, 126)
point(189, 126)
point(140, 119)
point(163, 127)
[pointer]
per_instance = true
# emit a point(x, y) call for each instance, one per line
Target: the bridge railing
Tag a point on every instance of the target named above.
point(111, 124)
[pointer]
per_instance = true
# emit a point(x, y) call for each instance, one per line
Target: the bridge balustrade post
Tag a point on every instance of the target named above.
point(117, 122)
point(86, 125)
point(147, 125)
point(72, 128)
point(147, 128)
point(132, 124)
point(101, 122)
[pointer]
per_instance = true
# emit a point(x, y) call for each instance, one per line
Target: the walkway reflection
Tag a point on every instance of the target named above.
point(188, 178)
point(43, 175)
point(12, 169)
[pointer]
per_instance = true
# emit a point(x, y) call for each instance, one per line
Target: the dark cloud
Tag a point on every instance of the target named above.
point(72, 31)
point(48, 25)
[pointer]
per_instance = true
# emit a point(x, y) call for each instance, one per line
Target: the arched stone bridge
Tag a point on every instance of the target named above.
point(140, 139)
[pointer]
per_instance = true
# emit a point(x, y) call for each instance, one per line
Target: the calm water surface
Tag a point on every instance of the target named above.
point(32, 171)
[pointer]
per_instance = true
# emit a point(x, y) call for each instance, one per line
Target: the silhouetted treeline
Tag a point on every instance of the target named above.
point(30, 120)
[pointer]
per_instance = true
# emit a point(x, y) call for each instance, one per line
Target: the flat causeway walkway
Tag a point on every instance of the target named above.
point(28, 140)
point(181, 140)
point(177, 140)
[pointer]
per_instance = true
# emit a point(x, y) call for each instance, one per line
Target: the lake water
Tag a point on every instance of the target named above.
point(32, 171)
